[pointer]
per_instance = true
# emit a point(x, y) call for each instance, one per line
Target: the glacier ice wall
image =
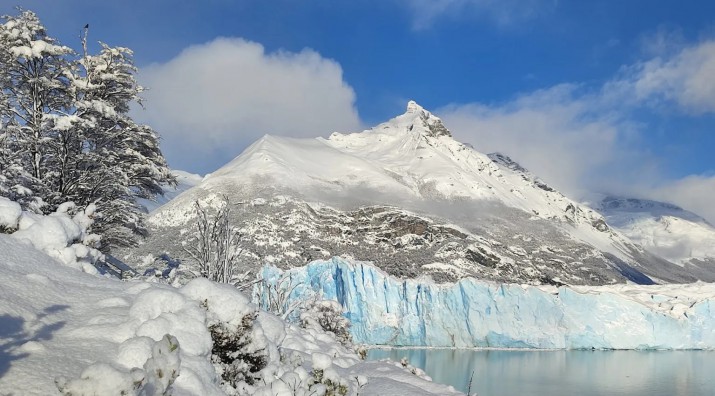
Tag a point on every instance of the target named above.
point(472, 313)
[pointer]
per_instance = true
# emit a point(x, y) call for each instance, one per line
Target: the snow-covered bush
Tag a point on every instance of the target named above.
point(327, 315)
point(235, 357)
point(63, 234)
point(155, 379)
point(325, 380)
point(10, 212)
point(414, 370)
point(241, 346)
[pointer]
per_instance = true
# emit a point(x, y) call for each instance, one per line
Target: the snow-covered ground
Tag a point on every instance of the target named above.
point(60, 324)
point(470, 313)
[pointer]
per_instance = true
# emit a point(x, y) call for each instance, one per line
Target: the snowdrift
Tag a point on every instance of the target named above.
point(388, 311)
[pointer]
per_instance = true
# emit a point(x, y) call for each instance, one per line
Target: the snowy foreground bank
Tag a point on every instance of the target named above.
point(93, 335)
point(388, 311)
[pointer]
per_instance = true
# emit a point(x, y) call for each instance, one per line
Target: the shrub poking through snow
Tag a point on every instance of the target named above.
point(325, 380)
point(216, 245)
point(274, 295)
point(159, 373)
point(233, 353)
point(327, 315)
point(414, 370)
point(162, 368)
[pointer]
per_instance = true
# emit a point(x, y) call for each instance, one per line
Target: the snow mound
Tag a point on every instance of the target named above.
point(10, 212)
point(61, 235)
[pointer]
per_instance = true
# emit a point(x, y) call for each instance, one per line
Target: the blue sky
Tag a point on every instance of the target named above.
point(613, 96)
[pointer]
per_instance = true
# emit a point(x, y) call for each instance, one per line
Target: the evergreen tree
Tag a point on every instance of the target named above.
point(120, 160)
point(34, 84)
point(66, 133)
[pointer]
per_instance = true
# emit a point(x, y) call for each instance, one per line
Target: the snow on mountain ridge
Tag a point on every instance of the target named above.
point(433, 123)
point(431, 162)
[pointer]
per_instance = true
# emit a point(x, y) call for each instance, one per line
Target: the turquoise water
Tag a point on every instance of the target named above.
point(565, 373)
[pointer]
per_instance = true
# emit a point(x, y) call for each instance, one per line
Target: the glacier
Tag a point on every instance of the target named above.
point(385, 310)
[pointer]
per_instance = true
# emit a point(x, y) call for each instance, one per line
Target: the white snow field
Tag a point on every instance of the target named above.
point(471, 313)
point(58, 323)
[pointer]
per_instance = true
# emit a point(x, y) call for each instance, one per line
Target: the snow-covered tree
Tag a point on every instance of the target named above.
point(66, 133)
point(119, 160)
point(35, 89)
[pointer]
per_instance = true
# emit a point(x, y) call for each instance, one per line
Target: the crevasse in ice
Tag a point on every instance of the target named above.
point(470, 313)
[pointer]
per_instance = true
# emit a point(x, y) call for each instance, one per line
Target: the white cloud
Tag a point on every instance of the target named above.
point(212, 100)
point(684, 78)
point(502, 12)
point(694, 193)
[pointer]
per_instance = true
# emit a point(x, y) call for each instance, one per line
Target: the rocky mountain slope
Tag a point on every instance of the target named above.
point(416, 202)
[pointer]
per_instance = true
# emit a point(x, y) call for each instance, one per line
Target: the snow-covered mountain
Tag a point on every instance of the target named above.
point(410, 198)
point(663, 229)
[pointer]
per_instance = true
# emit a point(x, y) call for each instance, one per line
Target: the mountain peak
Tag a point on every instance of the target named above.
point(413, 107)
point(431, 123)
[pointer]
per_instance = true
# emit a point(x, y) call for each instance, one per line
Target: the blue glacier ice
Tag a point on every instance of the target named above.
point(470, 313)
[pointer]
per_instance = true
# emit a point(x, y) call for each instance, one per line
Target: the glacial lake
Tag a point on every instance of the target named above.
point(565, 373)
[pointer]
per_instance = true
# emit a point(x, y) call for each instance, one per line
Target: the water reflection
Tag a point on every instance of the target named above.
point(583, 373)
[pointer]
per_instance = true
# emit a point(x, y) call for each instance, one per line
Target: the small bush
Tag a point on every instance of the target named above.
point(327, 315)
point(328, 385)
point(233, 353)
